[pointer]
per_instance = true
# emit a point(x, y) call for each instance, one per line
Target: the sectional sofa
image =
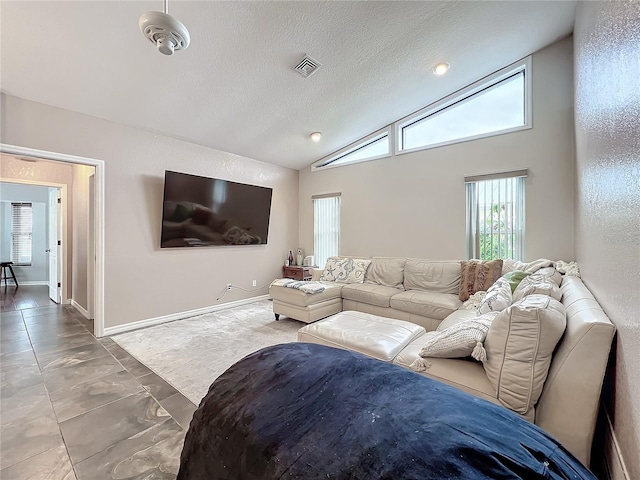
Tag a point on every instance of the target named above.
point(399, 303)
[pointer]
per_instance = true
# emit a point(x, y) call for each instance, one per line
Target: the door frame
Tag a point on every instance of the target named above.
point(99, 218)
point(62, 221)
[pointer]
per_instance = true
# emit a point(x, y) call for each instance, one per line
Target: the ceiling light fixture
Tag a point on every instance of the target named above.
point(315, 137)
point(164, 31)
point(441, 68)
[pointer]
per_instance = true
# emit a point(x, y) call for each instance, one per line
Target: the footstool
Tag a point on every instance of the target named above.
point(378, 337)
point(306, 307)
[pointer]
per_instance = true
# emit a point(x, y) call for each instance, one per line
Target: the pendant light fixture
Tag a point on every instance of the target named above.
point(167, 33)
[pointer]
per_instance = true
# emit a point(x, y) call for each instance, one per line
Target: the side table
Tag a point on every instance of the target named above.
point(297, 273)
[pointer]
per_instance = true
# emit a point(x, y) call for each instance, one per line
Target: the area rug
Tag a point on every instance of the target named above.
point(191, 353)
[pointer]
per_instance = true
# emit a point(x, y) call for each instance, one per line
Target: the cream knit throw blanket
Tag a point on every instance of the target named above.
point(304, 286)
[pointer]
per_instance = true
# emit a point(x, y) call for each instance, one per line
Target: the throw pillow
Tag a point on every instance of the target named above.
point(477, 275)
point(498, 297)
point(519, 346)
point(537, 284)
point(329, 272)
point(457, 341)
point(345, 270)
point(514, 278)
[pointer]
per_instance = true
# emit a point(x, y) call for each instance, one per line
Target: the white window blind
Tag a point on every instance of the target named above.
point(326, 227)
point(21, 233)
point(495, 216)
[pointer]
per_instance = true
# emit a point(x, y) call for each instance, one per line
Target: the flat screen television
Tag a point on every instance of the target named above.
point(200, 211)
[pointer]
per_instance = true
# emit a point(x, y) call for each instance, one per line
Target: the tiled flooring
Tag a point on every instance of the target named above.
point(74, 407)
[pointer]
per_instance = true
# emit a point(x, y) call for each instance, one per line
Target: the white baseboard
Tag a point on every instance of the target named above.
point(79, 308)
point(614, 467)
point(179, 316)
point(33, 282)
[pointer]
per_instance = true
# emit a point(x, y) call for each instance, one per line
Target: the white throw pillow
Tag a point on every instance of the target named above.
point(458, 340)
point(498, 297)
point(345, 270)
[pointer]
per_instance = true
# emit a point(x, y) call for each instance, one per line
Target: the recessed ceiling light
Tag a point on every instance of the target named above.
point(441, 68)
point(315, 137)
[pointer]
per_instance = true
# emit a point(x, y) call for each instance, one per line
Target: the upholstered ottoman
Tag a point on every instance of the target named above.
point(306, 307)
point(378, 337)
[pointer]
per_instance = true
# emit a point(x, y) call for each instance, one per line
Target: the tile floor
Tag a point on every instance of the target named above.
point(75, 407)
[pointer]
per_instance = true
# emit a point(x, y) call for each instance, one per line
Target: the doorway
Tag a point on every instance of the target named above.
point(94, 228)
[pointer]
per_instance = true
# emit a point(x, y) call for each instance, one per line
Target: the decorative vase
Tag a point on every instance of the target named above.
point(299, 260)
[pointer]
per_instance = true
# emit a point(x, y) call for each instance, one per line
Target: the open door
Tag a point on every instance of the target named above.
point(55, 245)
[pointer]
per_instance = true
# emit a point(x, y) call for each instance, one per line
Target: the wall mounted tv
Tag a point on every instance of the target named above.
point(200, 211)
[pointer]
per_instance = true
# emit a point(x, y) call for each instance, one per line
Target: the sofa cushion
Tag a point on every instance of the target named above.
point(519, 347)
point(432, 275)
point(478, 275)
point(369, 293)
point(426, 304)
point(537, 284)
point(498, 297)
point(466, 375)
point(386, 271)
point(345, 270)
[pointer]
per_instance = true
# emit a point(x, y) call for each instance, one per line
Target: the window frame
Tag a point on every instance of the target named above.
point(464, 95)
point(314, 198)
point(471, 215)
point(29, 235)
point(329, 161)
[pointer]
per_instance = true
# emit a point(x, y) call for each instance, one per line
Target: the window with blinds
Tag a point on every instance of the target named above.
point(326, 227)
point(495, 215)
point(21, 233)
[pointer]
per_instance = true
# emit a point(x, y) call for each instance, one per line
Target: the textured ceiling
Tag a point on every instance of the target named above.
point(234, 88)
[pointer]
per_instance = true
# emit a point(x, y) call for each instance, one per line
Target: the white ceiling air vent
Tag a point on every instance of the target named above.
point(307, 66)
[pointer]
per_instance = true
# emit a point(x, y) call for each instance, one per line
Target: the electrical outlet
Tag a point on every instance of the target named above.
point(254, 283)
point(228, 286)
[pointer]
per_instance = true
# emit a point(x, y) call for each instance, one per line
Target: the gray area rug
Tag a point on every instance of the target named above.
point(191, 353)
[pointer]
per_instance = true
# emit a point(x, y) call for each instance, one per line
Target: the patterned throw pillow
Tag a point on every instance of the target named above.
point(477, 275)
point(498, 297)
point(457, 341)
point(345, 270)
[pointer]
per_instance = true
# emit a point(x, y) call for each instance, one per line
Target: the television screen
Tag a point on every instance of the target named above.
point(201, 211)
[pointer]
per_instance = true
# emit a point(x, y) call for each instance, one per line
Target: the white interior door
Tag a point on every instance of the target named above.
point(55, 244)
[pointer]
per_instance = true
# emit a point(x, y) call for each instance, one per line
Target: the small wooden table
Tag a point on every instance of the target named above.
point(297, 273)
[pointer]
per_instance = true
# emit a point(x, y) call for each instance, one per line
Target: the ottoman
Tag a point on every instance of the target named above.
point(378, 337)
point(306, 307)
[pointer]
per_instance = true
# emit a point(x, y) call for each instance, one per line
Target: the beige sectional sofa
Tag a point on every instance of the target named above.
point(425, 294)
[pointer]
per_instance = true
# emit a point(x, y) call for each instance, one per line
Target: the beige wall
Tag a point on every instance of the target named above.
point(80, 199)
point(607, 208)
point(43, 172)
point(414, 204)
point(141, 280)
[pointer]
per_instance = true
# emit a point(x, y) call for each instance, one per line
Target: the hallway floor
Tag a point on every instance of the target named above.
point(75, 407)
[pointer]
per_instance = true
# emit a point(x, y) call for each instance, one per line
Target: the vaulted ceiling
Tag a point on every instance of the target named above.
point(234, 88)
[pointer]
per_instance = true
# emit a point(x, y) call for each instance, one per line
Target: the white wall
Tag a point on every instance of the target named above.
point(38, 271)
point(414, 204)
point(141, 280)
point(608, 198)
